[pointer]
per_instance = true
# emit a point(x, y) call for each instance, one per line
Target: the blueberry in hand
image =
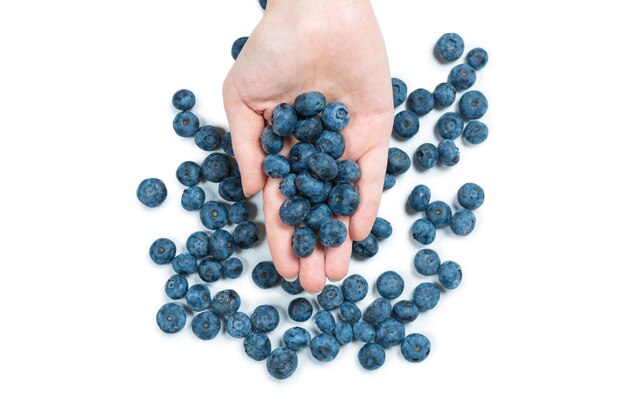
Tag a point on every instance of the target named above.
point(347, 171)
point(343, 199)
point(323, 166)
point(276, 166)
point(287, 185)
point(318, 215)
point(335, 116)
point(271, 142)
point(331, 143)
point(310, 103)
point(294, 210)
point(308, 129)
point(332, 234)
point(303, 241)
point(284, 119)
point(151, 192)
point(299, 156)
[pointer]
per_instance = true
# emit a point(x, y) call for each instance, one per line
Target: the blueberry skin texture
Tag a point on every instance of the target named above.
point(331, 143)
point(214, 215)
point(323, 166)
point(151, 192)
point(475, 132)
point(232, 268)
point(210, 270)
point(449, 153)
point(171, 318)
point(325, 321)
point(423, 231)
point(419, 198)
point(239, 212)
point(291, 287)
point(206, 325)
point(477, 58)
point(382, 229)
point(235, 50)
point(227, 144)
point(282, 363)
point(332, 233)
point(257, 346)
point(303, 241)
point(288, 185)
point(216, 167)
point(176, 287)
point(426, 296)
point(283, 119)
point(426, 156)
point(371, 356)
point(264, 275)
point(439, 213)
point(185, 124)
point(299, 156)
point(427, 262)
point(198, 244)
point(327, 186)
point(444, 95)
point(449, 47)
point(390, 181)
point(389, 333)
point(271, 142)
point(297, 338)
point(354, 288)
point(462, 77)
point(399, 91)
point(450, 275)
point(377, 311)
point(192, 198)
point(463, 222)
point(265, 318)
point(198, 297)
point(276, 166)
point(473, 105)
point(347, 171)
point(335, 116)
point(366, 248)
point(245, 235)
point(415, 348)
point(405, 311)
point(310, 103)
point(324, 347)
point(207, 138)
point(184, 263)
point(450, 125)
point(225, 302)
point(183, 99)
point(294, 210)
point(343, 332)
point(309, 185)
point(162, 251)
point(300, 309)
point(420, 102)
point(343, 199)
point(364, 332)
point(318, 215)
point(238, 325)
point(398, 162)
point(406, 124)
point(471, 196)
point(231, 190)
point(308, 129)
point(350, 312)
point(330, 298)
point(390, 285)
point(188, 173)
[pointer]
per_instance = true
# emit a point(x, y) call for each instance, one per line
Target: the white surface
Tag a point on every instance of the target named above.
point(535, 329)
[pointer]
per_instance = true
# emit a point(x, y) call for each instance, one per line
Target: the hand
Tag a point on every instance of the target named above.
point(330, 46)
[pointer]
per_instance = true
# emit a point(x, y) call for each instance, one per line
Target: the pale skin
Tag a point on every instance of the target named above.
point(330, 46)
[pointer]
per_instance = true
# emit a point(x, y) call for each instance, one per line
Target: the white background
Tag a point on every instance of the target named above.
point(536, 328)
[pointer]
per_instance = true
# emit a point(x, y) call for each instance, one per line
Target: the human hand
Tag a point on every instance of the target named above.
point(330, 46)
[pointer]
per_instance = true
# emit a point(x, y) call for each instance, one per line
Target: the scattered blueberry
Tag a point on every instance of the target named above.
point(462, 77)
point(239, 212)
point(463, 222)
point(382, 229)
point(225, 302)
point(415, 348)
point(282, 362)
point(324, 347)
point(162, 251)
point(184, 263)
point(216, 167)
point(283, 119)
point(198, 297)
point(426, 296)
point(427, 262)
point(292, 287)
point(449, 153)
point(444, 95)
point(227, 144)
point(206, 325)
point(473, 105)
point(439, 213)
point(450, 125)
point(423, 231)
point(214, 215)
point(183, 99)
point(390, 285)
point(399, 91)
point(449, 47)
point(406, 124)
point(371, 356)
point(398, 162)
point(257, 346)
point(186, 124)
point(151, 192)
point(354, 288)
point(192, 198)
point(426, 156)
point(171, 318)
point(297, 338)
point(264, 275)
point(230, 189)
point(331, 297)
point(390, 181)
point(198, 244)
point(350, 312)
point(238, 325)
point(245, 235)
point(364, 332)
point(420, 102)
point(389, 333)
point(377, 311)
point(325, 321)
point(450, 275)
point(265, 318)
point(471, 196)
point(188, 173)
point(475, 132)
point(210, 270)
point(232, 268)
point(335, 116)
point(405, 311)
point(419, 198)
point(235, 50)
point(343, 332)
point(176, 287)
point(207, 138)
point(477, 58)
point(332, 234)
point(366, 248)
point(300, 309)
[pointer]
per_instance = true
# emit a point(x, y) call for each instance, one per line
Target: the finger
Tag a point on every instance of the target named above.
point(278, 233)
point(312, 273)
point(338, 258)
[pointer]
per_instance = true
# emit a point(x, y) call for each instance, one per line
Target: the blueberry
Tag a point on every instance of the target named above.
point(236, 171)
point(382, 228)
point(477, 58)
point(350, 312)
point(184, 99)
point(171, 318)
point(398, 162)
point(210, 270)
point(406, 124)
point(257, 346)
point(198, 297)
point(185, 124)
point(300, 309)
point(331, 143)
point(230, 189)
point(303, 241)
point(427, 262)
point(439, 213)
point(324, 347)
point(390, 285)
point(198, 244)
point(239, 212)
point(299, 156)
point(176, 287)
point(471, 196)
point(343, 199)
point(310, 103)
point(450, 125)
point(245, 235)
point(354, 288)
point(271, 142)
point(426, 156)
point(263, 4)
point(323, 196)
point(389, 333)
point(473, 105)
point(291, 287)
point(415, 348)
point(332, 234)
point(221, 245)
point(308, 129)
point(151, 192)
point(449, 153)
point(462, 77)
point(225, 302)
point(390, 181)
point(325, 321)
point(347, 171)
point(232, 268)
point(214, 215)
point(335, 116)
point(264, 318)
point(162, 251)
point(463, 222)
point(216, 167)
point(419, 198)
point(377, 311)
point(188, 173)
point(297, 338)
point(444, 95)
point(288, 185)
point(184, 263)
point(450, 275)
point(235, 50)
point(405, 311)
point(308, 184)
point(426, 296)
point(331, 297)
point(227, 144)
point(192, 198)
point(206, 325)
point(318, 215)
point(475, 132)
point(238, 325)
point(371, 356)
point(399, 91)
point(276, 166)
point(323, 166)
point(423, 231)
point(207, 138)
point(343, 332)
point(294, 210)
point(421, 101)
point(449, 47)
point(364, 332)
point(366, 248)
point(282, 362)
point(283, 119)
point(264, 275)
